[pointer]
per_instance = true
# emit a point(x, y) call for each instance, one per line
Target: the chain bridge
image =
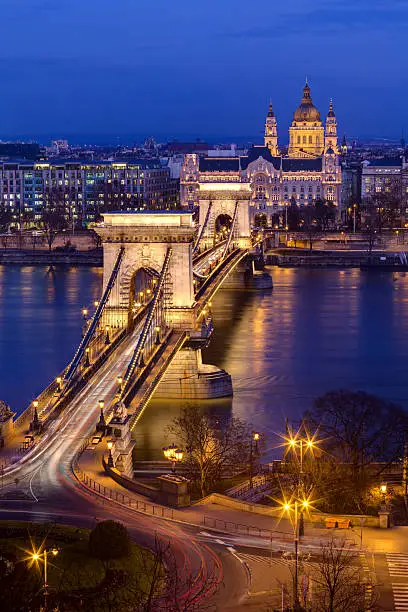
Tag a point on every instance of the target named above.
point(146, 333)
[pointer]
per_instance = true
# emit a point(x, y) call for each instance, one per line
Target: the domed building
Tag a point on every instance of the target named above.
point(306, 134)
point(310, 170)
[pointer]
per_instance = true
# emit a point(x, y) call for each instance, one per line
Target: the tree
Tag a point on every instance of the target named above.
point(361, 436)
point(53, 222)
point(324, 214)
point(5, 218)
point(211, 450)
point(310, 225)
point(338, 580)
point(19, 585)
point(109, 540)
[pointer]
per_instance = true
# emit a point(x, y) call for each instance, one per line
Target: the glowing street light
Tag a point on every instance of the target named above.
point(85, 313)
point(120, 382)
point(107, 338)
point(87, 361)
point(174, 454)
point(36, 556)
point(58, 380)
point(109, 444)
point(254, 438)
point(157, 330)
point(294, 511)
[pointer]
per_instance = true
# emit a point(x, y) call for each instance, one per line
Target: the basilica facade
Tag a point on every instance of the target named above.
point(272, 179)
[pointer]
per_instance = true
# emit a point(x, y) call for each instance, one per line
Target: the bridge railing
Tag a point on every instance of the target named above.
point(146, 334)
point(97, 488)
point(94, 321)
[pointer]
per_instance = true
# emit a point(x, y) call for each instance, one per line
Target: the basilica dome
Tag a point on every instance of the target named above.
point(306, 111)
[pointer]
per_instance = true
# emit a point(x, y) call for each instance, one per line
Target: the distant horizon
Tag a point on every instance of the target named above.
point(106, 139)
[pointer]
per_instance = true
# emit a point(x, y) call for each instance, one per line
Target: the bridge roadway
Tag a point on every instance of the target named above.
point(45, 474)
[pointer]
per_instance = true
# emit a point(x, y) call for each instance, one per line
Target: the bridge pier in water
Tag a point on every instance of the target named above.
point(146, 237)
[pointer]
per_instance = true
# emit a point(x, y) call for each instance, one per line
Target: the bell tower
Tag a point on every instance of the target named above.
point(271, 132)
point(330, 139)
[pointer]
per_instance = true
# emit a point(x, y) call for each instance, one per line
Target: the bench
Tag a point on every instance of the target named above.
point(333, 523)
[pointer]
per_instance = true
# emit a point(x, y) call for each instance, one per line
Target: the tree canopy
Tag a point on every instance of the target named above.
point(109, 540)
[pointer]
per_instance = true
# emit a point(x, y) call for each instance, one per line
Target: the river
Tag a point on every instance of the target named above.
point(317, 330)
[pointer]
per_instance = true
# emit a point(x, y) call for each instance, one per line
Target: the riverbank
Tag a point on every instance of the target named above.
point(295, 258)
point(32, 257)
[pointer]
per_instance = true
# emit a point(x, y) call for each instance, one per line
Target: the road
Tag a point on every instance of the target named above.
point(52, 494)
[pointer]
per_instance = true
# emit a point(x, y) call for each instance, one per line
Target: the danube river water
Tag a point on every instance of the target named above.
point(317, 330)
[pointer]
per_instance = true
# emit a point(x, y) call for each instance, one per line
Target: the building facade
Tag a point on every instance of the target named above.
point(310, 171)
point(84, 189)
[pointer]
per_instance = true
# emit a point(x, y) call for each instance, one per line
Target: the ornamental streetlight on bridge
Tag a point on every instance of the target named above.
point(119, 380)
point(174, 454)
point(38, 556)
point(107, 337)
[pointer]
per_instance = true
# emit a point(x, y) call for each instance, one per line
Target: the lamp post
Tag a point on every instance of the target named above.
point(120, 383)
point(157, 330)
point(43, 556)
point(85, 314)
point(383, 489)
point(107, 338)
point(87, 361)
point(301, 444)
point(174, 454)
point(58, 380)
point(110, 456)
point(296, 509)
point(354, 218)
point(254, 438)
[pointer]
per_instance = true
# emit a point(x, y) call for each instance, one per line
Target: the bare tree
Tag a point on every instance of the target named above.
point(338, 580)
point(53, 222)
point(211, 449)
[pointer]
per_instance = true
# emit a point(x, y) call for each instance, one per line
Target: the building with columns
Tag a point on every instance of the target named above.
point(309, 171)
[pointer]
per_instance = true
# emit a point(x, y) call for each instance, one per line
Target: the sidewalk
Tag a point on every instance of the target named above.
point(204, 514)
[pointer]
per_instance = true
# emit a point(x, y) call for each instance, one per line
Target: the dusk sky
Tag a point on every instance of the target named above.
point(200, 69)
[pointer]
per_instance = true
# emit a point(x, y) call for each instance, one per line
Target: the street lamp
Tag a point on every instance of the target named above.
point(120, 382)
point(107, 338)
point(157, 330)
point(58, 380)
point(254, 438)
point(296, 510)
point(85, 313)
point(110, 456)
point(383, 489)
point(87, 361)
point(38, 556)
point(174, 454)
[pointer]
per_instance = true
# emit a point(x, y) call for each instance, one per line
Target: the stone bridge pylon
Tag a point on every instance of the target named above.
point(146, 238)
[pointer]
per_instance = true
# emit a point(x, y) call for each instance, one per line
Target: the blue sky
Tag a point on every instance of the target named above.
point(187, 68)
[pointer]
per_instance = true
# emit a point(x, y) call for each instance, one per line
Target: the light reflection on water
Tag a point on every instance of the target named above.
point(317, 330)
point(40, 325)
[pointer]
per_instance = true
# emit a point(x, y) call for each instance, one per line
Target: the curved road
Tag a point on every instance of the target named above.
point(209, 570)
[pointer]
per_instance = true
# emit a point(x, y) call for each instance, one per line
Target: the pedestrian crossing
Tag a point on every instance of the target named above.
point(397, 564)
point(400, 592)
point(269, 561)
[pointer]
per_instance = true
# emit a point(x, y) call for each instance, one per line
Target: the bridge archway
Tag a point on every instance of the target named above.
point(216, 202)
point(146, 238)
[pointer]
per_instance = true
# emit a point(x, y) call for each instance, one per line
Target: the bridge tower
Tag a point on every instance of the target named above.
point(219, 202)
point(146, 238)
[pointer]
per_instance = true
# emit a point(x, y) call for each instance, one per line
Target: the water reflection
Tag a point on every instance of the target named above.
point(317, 330)
point(40, 325)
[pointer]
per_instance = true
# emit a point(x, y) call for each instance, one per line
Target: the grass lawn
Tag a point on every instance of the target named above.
point(73, 568)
